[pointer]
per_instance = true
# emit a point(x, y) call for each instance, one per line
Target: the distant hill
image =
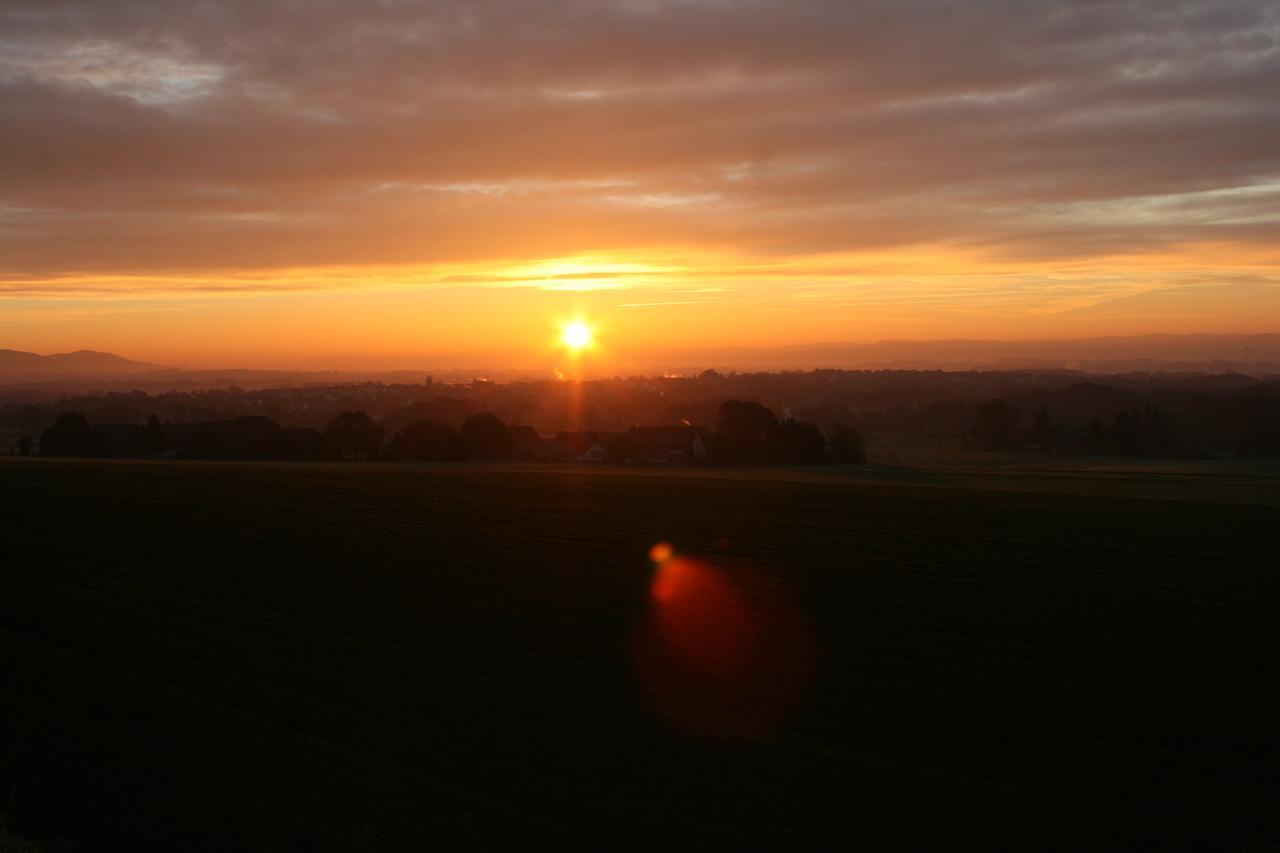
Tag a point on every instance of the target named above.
point(1251, 354)
point(16, 365)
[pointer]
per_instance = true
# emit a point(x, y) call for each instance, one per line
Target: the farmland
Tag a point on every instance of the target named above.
point(272, 656)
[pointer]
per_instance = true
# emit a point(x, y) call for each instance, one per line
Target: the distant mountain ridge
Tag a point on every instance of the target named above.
point(1111, 354)
point(78, 363)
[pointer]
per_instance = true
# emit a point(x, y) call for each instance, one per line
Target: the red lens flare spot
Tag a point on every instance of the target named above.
point(701, 617)
point(661, 552)
point(723, 657)
point(663, 589)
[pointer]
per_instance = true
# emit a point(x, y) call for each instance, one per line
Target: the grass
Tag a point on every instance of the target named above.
point(257, 656)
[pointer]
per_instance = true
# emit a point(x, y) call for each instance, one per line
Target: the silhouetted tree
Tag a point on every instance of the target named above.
point(485, 435)
point(747, 433)
point(1096, 439)
point(1255, 422)
point(71, 436)
point(1125, 432)
point(1042, 428)
point(998, 425)
point(355, 436)
point(152, 437)
point(425, 441)
point(72, 424)
point(24, 446)
point(1159, 429)
point(846, 446)
point(800, 443)
point(445, 410)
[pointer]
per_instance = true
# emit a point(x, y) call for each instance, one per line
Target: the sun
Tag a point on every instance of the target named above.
point(576, 335)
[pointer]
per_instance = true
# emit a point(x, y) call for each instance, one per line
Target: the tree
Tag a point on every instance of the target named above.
point(425, 441)
point(1160, 433)
point(747, 432)
point(1042, 428)
point(1097, 437)
point(152, 437)
point(485, 435)
point(1125, 432)
point(998, 425)
point(1255, 426)
point(800, 443)
point(355, 436)
point(846, 447)
point(24, 446)
point(71, 436)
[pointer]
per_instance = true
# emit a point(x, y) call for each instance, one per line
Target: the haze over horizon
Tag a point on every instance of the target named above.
point(1259, 354)
point(393, 182)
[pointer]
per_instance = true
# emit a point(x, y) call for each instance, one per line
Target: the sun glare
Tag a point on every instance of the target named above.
point(576, 335)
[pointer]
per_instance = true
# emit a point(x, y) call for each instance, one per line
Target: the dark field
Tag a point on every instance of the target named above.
point(241, 656)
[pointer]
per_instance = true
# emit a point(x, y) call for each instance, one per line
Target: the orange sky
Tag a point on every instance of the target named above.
point(408, 185)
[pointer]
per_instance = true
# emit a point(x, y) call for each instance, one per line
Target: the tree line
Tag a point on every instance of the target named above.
point(1187, 416)
point(1249, 426)
point(747, 433)
point(1205, 414)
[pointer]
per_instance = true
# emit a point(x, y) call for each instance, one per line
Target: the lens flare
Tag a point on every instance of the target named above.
point(661, 552)
point(724, 657)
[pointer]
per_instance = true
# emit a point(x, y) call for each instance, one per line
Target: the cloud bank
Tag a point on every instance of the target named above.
point(211, 146)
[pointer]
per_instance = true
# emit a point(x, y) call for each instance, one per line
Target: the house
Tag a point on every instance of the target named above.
point(578, 446)
point(298, 443)
point(581, 445)
point(247, 437)
point(653, 445)
point(551, 450)
point(176, 439)
point(525, 441)
point(664, 445)
point(523, 437)
point(614, 445)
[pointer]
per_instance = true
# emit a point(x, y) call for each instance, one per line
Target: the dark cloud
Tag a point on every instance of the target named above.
point(239, 135)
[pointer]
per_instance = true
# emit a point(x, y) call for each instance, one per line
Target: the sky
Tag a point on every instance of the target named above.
point(320, 184)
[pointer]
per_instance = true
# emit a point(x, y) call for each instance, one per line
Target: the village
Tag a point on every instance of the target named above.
point(642, 444)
